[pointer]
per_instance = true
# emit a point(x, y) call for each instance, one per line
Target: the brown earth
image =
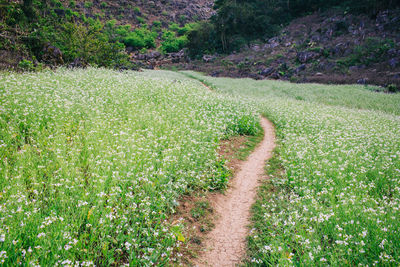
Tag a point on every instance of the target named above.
point(225, 245)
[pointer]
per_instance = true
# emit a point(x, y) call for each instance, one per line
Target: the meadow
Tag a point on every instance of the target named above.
point(334, 193)
point(93, 162)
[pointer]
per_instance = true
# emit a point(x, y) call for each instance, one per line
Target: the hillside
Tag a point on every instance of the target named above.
point(327, 47)
point(101, 33)
point(334, 44)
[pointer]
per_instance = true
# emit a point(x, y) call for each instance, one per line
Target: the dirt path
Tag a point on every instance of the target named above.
point(226, 244)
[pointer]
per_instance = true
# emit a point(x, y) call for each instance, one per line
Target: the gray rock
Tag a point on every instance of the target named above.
point(300, 68)
point(362, 81)
point(267, 71)
point(52, 55)
point(392, 52)
point(153, 54)
point(60, 12)
point(306, 56)
point(129, 49)
point(77, 63)
point(141, 57)
point(393, 63)
point(353, 68)
point(275, 76)
point(209, 58)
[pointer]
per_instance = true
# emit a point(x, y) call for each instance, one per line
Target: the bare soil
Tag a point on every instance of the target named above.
point(225, 245)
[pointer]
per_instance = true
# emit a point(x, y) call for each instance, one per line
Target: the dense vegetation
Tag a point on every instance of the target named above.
point(334, 195)
point(92, 163)
point(237, 21)
point(30, 27)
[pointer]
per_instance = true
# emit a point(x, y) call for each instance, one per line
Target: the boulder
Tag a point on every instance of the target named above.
point(362, 81)
point(300, 68)
point(153, 54)
point(267, 71)
point(306, 56)
point(77, 63)
point(275, 75)
point(394, 62)
point(52, 55)
point(208, 58)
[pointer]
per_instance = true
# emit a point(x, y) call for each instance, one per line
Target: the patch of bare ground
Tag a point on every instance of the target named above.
point(225, 245)
point(196, 211)
point(216, 224)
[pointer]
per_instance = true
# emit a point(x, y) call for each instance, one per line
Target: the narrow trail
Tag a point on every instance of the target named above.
point(225, 245)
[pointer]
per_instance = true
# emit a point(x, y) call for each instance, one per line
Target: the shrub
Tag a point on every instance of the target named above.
point(202, 39)
point(157, 25)
point(372, 51)
point(140, 38)
point(136, 10)
point(141, 20)
point(172, 43)
point(392, 88)
point(26, 65)
point(88, 4)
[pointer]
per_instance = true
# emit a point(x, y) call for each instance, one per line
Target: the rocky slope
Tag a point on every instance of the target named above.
point(15, 32)
point(327, 47)
point(136, 11)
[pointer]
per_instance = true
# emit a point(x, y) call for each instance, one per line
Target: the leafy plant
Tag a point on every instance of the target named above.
point(26, 65)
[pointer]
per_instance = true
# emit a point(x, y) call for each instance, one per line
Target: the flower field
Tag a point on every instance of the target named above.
point(92, 163)
point(334, 194)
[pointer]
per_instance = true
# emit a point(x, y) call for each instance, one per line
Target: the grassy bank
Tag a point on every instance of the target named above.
point(92, 163)
point(334, 194)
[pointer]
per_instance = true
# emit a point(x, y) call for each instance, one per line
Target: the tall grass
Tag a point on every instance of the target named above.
point(351, 96)
point(334, 193)
point(92, 163)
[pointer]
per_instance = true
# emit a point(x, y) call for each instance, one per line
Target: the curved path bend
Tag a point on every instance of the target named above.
point(225, 245)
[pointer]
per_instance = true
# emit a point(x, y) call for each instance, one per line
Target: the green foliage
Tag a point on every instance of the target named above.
point(392, 88)
point(141, 20)
point(72, 4)
point(200, 209)
point(140, 38)
point(374, 50)
point(103, 5)
point(26, 65)
point(100, 159)
point(220, 180)
point(88, 4)
point(202, 39)
point(156, 25)
point(137, 10)
point(237, 22)
point(327, 202)
point(172, 43)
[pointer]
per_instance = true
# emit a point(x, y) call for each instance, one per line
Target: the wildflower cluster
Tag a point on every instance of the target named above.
point(92, 163)
point(338, 201)
point(334, 193)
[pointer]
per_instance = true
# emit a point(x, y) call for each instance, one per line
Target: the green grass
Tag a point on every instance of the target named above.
point(92, 163)
point(334, 193)
point(249, 145)
point(351, 96)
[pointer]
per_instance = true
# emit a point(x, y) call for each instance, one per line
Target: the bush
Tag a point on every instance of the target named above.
point(26, 65)
point(374, 50)
point(392, 88)
point(172, 43)
point(202, 39)
point(141, 38)
point(88, 4)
